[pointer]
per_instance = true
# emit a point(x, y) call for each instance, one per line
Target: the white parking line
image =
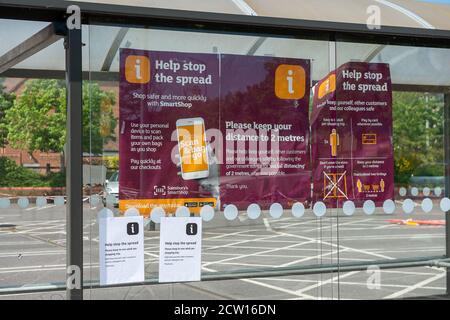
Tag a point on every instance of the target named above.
point(242, 241)
point(341, 247)
point(31, 253)
point(247, 264)
point(416, 286)
point(321, 255)
point(322, 283)
point(349, 283)
point(256, 253)
point(291, 292)
point(46, 207)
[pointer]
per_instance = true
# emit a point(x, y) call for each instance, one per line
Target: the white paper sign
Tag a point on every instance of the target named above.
point(180, 249)
point(121, 242)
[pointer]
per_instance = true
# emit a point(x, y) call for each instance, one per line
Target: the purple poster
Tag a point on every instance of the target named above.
point(351, 135)
point(168, 103)
point(264, 104)
point(211, 129)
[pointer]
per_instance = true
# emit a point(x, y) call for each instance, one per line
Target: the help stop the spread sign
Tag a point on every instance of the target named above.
point(351, 134)
point(264, 110)
point(180, 249)
point(168, 106)
point(121, 242)
point(202, 129)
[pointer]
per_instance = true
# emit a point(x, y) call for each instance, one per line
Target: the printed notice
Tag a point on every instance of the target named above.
point(121, 250)
point(169, 104)
point(180, 249)
point(202, 129)
point(351, 130)
point(264, 122)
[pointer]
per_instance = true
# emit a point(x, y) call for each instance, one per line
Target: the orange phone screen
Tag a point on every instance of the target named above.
point(192, 146)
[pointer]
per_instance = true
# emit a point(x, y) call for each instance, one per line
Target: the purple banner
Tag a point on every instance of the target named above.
point(157, 91)
point(264, 117)
point(198, 129)
point(351, 135)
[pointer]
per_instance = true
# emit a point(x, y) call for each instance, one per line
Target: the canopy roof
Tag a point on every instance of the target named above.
point(409, 65)
point(403, 13)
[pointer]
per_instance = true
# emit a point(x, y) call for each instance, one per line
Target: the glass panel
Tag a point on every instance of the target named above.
point(392, 99)
point(267, 226)
point(32, 178)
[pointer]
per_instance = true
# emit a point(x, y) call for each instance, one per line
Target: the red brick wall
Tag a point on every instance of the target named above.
point(38, 159)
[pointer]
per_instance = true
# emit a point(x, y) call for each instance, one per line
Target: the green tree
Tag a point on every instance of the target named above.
point(6, 102)
point(418, 135)
point(37, 119)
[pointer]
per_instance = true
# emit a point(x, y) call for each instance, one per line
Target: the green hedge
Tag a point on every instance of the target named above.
point(13, 175)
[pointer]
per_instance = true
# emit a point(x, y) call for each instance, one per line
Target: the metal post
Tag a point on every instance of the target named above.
point(447, 178)
point(74, 165)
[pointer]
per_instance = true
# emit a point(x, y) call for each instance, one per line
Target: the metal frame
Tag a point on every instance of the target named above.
point(447, 178)
point(233, 23)
point(74, 161)
point(37, 42)
point(55, 10)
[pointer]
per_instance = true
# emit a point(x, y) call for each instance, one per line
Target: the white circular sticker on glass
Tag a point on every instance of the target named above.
point(402, 191)
point(298, 209)
point(426, 191)
point(445, 204)
point(41, 201)
point(414, 192)
point(4, 203)
point(110, 199)
point(105, 213)
point(253, 211)
point(369, 207)
point(427, 205)
point(94, 200)
point(437, 191)
point(59, 201)
point(408, 206)
point(230, 212)
point(131, 212)
point(276, 210)
point(156, 214)
point(389, 206)
point(182, 212)
point(23, 202)
point(319, 209)
point(349, 208)
point(207, 213)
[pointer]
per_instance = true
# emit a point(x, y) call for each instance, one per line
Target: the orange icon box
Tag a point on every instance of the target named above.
point(369, 138)
point(327, 86)
point(290, 82)
point(137, 69)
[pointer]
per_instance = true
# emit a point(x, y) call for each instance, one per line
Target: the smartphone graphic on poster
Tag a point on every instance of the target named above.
point(192, 148)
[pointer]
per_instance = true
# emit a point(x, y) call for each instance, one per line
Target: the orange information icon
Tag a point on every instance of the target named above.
point(137, 69)
point(290, 82)
point(327, 86)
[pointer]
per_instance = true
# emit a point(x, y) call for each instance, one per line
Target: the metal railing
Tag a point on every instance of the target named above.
point(431, 261)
